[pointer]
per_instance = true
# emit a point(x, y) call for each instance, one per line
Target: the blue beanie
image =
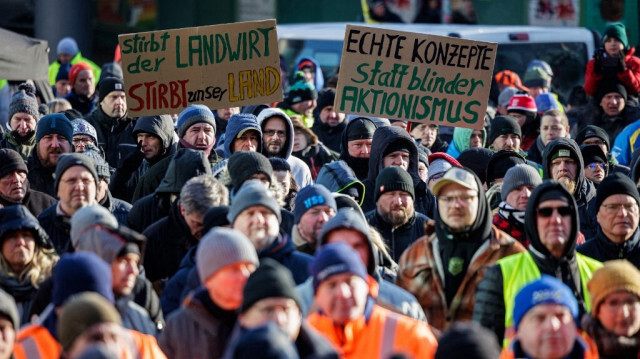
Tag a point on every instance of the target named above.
point(80, 272)
point(546, 102)
point(548, 290)
point(194, 114)
point(335, 258)
point(311, 196)
point(67, 46)
point(63, 72)
point(56, 123)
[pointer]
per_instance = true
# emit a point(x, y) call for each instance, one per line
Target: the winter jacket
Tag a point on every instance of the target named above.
point(492, 306)
point(424, 201)
point(339, 177)
point(329, 136)
point(593, 114)
point(438, 146)
point(82, 103)
point(199, 329)
point(315, 157)
point(610, 345)
point(40, 178)
point(585, 192)
point(168, 240)
point(115, 135)
point(626, 143)
point(35, 201)
point(534, 153)
point(299, 169)
point(630, 77)
point(134, 316)
point(119, 208)
point(421, 273)
point(54, 67)
point(603, 249)
point(401, 238)
point(172, 294)
point(13, 141)
point(283, 250)
point(58, 227)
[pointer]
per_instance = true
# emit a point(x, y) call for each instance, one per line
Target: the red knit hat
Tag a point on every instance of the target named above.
point(443, 156)
point(75, 70)
point(522, 102)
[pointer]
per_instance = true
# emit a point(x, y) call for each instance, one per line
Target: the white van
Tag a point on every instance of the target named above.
point(567, 50)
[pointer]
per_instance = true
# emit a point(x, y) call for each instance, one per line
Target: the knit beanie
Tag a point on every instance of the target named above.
point(63, 72)
point(82, 127)
point(397, 145)
point(543, 65)
point(109, 84)
point(610, 86)
point(221, 247)
point(440, 162)
point(10, 161)
point(80, 272)
point(546, 102)
point(67, 160)
point(301, 90)
point(593, 153)
point(537, 77)
point(468, 340)
point(361, 128)
point(546, 290)
point(335, 258)
point(195, 114)
point(476, 159)
point(89, 216)
point(81, 313)
point(326, 97)
point(593, 131)
point(616, 183)
point(24, 101)
point(76, 69)
point(393, 178)
point(522, 103)
point(57, 124)
point(102, 167)
point(270, 280)
point(423, 155)
point(613, 276)
point(503, 125)
point(67, 46)
point(500, 162)
point(617, 31)
point(519, 175)
point(9, 309)
point(268, 341)
point(506, 95)
point(279, 164)
point(242, 165)
point(253, 193)
point(309, 197)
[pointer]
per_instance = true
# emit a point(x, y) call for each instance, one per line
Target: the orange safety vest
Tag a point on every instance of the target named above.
point(35, 342)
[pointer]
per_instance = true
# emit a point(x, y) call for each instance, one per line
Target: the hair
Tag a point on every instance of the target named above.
point(203, 192)
point(39, 269)
point(556, 113)
point(51, 105)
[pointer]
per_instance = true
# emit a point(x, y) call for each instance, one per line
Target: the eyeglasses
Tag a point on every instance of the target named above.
point(270, 133)
point(615, 207)
point(594, 165)
point(449, 200)
point(81, 141)
point(546, 212)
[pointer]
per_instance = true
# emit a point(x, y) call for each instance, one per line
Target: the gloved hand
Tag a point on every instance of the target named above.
point(597, 65)
point(622, 66)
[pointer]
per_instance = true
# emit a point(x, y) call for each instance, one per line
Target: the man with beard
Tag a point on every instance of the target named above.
point(394, 217)
point(113, 127)
point(76, 186)
point(277, 141)
point(14, 187)
point(505, 134)
point(83, 88)
point(23, 118)
point(314, 206)
point(54, 135)
point(562, 161)
point(443, 268)
point(328, 123)
point(551, 225)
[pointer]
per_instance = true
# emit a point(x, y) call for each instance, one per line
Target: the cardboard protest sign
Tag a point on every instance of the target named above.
point(415, 77)
point(220, 66)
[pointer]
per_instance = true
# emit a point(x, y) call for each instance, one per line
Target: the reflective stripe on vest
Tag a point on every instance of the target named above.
point(388, 336)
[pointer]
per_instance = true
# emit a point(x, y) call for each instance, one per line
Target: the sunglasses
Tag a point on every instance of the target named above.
point(547, 212)
point(594, 165)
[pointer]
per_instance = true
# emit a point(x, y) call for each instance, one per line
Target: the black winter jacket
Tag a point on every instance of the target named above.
point(58, 228)
point(603, 249)
point(40, 178)
point(399, 239)
point(115, 135)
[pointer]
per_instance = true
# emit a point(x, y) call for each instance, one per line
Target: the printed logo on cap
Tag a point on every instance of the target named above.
point(118, 86)
point(564, 153)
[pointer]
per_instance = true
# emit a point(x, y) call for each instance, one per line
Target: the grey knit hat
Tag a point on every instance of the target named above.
point(102, 167)
point(519, 175)
point(24, 101)
point(82, 127)
point(221, 247)
point(67, 160)
point(253, 193)
point(88, 216)
point(8, 308)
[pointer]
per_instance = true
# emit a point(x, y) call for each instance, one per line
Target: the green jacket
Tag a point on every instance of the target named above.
point(55, 66)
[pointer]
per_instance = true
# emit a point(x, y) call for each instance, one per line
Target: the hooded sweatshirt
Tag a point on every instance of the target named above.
point(585, 192)
point(234, 126)
point(299, 169)
point(461, 137)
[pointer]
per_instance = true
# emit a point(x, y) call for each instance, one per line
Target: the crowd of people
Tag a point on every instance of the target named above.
point(291, 230)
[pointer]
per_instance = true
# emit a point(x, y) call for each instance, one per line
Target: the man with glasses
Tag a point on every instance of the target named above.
point(443, 268)
point(596, 166)
point(551, 225)
point(617, 205)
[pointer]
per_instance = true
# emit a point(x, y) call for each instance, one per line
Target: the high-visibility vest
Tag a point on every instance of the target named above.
point(35, 342)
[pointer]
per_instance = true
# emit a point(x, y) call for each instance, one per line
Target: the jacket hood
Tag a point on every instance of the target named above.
point(160, 126)
point(338, 177)
point(18, 217)
point(530, 227)
point(634, 165)
point(319, 82)
point(236, 124)
point(553, 147)
point(383, 137)
point(461, 137)
point(344, 152)
point(108, 242)
point(266, 114)
point(184, 165)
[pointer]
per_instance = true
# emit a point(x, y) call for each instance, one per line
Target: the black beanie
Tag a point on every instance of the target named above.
point(360, 128)
point(616, 183)
point(500, 163)
point(108, 85)
point(394, 178)
point(476, 159)
point(503, 125)
point(270, 280)
point(10, 161)
point(397, 145)
point(593, 131)
point(592, 153)
point(241, 165)
point(326, 98)
point(609, 87)
point(468, 340)
point(67, 160)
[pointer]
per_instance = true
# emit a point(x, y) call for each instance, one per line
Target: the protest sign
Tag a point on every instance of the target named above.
point(220, 66)
point(415, 77)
